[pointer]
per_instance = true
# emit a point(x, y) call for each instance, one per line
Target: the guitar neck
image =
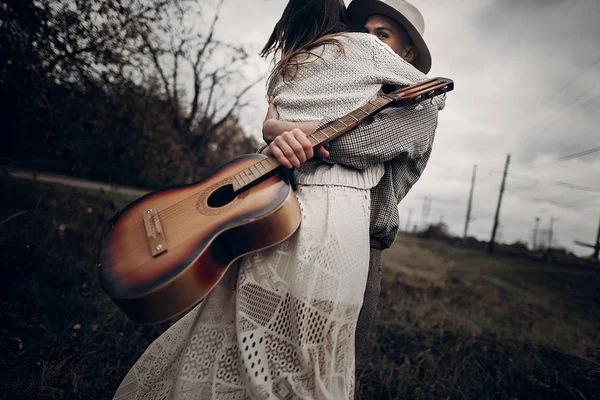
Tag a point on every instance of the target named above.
point(321, 136)
point(349, 121)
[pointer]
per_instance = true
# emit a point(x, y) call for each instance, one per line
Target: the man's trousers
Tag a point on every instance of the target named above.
point(371, 298)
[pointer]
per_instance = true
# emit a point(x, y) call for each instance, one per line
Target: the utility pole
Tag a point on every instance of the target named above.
point(408, 221)
point(542, 238)
point(550, 233)
point(423, 212)
point(470, 203)
point(597, 248)
point(426, 211)
point(535, 233)
point(491, 243)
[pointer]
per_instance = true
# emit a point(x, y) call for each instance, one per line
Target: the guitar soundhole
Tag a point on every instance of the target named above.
point(221, 197)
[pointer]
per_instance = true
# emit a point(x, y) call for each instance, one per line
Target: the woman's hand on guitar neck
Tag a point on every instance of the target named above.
point(292, 149)
point(273, 127)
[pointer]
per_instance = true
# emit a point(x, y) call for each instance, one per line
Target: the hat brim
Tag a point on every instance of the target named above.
point(360, 10)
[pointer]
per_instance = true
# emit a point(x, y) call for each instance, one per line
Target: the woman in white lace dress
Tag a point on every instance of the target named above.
point(280, 324)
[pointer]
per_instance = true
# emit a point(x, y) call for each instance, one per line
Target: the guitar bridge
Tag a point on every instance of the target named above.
point(154, 232)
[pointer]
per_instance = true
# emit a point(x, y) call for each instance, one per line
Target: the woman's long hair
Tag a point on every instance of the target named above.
point(304, 25)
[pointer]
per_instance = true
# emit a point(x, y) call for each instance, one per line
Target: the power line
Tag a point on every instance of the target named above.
point(571, 81)
point(517, 176)
point(556, 161)
point(577, 187)
point(589, 101)
point(577, 155)
point(583, 179)
point(546, 122)
point(574, 207)
point(558, 202)
point(571, 104)
point(567, 185)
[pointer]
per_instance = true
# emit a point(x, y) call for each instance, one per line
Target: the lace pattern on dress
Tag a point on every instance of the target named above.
point(280, 325)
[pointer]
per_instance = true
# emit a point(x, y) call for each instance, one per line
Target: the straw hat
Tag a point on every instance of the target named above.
point(407, 15)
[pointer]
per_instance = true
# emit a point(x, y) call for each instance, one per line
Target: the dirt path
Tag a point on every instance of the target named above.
point(74, 182)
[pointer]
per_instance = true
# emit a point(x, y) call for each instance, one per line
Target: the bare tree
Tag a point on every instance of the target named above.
point(106, 41)
point(142, 81)
point(82, 40)
point(187, 44)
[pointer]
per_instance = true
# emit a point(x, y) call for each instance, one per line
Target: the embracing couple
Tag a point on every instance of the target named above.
point(286, 322)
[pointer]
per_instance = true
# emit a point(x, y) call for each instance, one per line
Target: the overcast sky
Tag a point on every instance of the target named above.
point(527, 82)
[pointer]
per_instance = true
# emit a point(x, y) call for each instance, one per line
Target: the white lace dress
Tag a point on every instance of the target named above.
point(280, 324)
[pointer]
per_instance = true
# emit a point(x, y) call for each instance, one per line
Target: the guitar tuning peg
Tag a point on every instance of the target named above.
point(419, 107)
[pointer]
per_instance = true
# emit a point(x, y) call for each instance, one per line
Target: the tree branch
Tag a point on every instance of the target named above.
point(197, 70)
point(155, 58)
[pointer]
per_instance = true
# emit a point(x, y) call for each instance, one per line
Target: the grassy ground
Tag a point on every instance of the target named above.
point(459, 324)
point(452, 323)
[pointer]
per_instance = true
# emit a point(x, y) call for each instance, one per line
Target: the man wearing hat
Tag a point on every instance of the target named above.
point(400, 25)
point(397, 23)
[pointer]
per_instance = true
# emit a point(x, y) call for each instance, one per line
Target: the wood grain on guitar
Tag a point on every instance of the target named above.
point(246, 205)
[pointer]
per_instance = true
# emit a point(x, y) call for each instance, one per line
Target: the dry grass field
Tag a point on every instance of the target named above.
point(452, 323)
point(460, 324)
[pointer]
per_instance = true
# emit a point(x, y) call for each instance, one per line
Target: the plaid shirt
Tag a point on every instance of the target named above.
point(401, 139)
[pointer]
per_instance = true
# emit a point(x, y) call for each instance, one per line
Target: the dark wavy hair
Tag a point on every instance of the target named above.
point(304, 25)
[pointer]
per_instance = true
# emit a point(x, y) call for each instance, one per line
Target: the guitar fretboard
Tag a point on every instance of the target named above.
point(349, 121)
point(318, 138)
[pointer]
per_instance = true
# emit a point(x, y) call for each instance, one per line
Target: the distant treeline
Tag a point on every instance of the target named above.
point(557, 256)
point(94, 89)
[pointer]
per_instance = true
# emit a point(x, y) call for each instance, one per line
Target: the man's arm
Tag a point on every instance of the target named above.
point(392, 133)
point(274, 127)
point(286, 141)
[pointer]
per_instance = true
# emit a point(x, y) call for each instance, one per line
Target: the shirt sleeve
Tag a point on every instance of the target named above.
point(392, 133)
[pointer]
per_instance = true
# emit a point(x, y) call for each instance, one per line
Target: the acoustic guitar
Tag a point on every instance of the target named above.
point(166, 251)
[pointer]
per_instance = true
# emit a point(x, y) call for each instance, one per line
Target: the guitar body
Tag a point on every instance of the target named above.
point(164, 252)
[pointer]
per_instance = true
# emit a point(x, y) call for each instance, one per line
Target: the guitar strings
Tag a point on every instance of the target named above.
point(177, 206)
point(173, 209)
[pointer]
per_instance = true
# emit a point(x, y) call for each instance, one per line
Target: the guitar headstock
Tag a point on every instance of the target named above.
point(420, 92)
